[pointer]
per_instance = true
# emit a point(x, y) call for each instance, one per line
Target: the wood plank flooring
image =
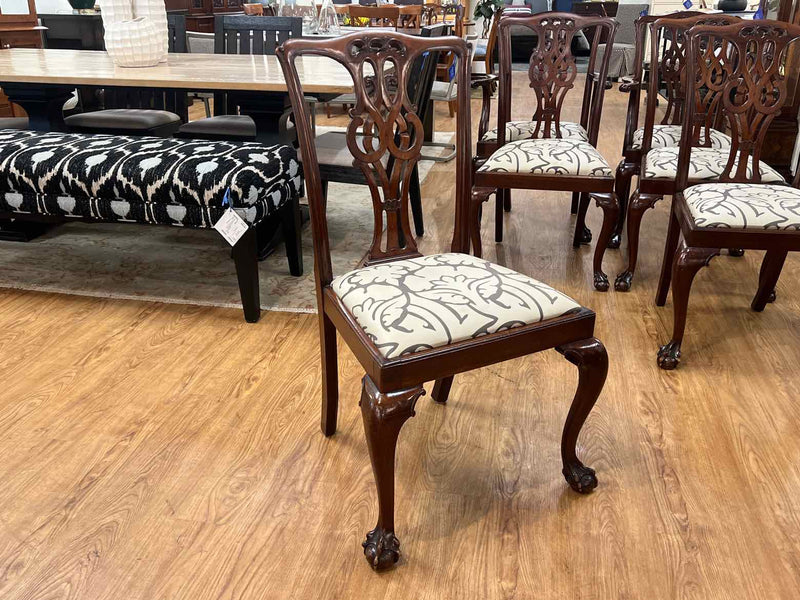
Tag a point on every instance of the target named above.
point(152, 451)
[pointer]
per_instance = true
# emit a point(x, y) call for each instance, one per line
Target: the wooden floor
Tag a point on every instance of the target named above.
point(152, 451)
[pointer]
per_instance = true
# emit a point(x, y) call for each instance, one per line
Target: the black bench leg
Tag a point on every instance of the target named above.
point(245, 257)
point(290, 221)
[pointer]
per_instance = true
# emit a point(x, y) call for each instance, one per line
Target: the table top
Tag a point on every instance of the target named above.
point(181, 71)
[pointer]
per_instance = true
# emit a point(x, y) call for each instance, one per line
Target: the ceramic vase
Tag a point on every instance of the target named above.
point(134, 42)
point(156, 11)
point(113, 11)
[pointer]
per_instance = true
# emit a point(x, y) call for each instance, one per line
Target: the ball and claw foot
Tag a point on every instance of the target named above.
point(601, 282)
point(615, 241)
point(669, 355)
point(585, 236)
point(381, 549)
point(623, 281)
point(580, 477)
point(736, 252)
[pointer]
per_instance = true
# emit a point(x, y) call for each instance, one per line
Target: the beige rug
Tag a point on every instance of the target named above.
point(184, 266)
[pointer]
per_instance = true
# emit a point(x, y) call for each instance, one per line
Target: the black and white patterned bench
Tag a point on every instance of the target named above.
point(60, 176)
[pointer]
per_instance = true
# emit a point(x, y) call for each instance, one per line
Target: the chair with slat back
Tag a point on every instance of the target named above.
point(660, 139)
point(411, 319)
point(742, 70)
point(140, 111)
point(241, 34)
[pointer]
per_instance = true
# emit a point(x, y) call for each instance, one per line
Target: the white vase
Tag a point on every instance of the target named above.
point(134, 43)
point(113, 11)
point(156, 11)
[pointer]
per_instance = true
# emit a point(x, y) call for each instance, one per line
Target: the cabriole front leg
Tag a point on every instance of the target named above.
point(638, 205)
point(688, 261)
point(590, 357)
point(384, 415)
point(610, 206)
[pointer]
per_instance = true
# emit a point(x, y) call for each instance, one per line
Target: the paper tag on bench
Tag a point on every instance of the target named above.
point(231, 226)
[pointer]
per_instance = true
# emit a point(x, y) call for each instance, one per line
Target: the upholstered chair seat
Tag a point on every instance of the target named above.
point(525, 130)
point(669, 136)
point(415, 304)
point(705, 164)
point(744, 206)
point(549, 156)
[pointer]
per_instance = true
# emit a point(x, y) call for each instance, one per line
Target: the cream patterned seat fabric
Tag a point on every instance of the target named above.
point(524, 130)
point(669, 136)
point(548, 157)
point(415, 304)
point(744, 206)
point(705, 164)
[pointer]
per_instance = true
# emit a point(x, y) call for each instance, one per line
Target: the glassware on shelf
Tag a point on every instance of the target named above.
point(328, 22)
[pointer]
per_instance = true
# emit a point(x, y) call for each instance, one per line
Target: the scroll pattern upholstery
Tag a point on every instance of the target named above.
point(548, 157)
point(525, 130)
point(744, 206)
point(669, 136)
point(415, 304)
point(705, 164)
point(146, 180)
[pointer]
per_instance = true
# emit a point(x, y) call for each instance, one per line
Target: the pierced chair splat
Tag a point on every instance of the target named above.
point(411, 319)
point(548, 153)
point(744, 66)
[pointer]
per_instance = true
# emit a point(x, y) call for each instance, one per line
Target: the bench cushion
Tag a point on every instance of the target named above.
point(146, 180)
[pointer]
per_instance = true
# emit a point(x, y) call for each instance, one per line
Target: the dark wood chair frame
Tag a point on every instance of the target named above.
point(379, 16)
point(631, 162)
point(391, 387)
point(689, 247)
point(671, 70)
point(551, 84)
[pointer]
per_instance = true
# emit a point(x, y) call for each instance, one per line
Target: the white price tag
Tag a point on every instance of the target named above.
point(231, 226)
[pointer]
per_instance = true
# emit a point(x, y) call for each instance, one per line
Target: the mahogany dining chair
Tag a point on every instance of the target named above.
point(411, 319)
point(742, 69)
point(546, 152)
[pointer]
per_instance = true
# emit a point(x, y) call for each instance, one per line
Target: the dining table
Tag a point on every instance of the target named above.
point(41, 80)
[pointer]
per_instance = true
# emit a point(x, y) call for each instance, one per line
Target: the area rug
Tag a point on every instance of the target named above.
point(184, 266)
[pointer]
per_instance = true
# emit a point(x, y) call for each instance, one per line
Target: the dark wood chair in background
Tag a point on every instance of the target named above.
point(659, 147)
point(546, 153)
point(374, 16)
point(665, 134)
point(451, 312)
point(242, 34)
point(131, 111)
point(744, 66)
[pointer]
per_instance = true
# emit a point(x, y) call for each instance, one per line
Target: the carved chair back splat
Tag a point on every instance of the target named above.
point(385, 138)
point(671, 35)
point(740, 69)
point(553, 70)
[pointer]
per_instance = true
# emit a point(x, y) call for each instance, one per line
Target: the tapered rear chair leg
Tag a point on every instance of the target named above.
point(771, 268)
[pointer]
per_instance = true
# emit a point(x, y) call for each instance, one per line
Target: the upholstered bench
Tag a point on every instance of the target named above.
point(62, 176)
